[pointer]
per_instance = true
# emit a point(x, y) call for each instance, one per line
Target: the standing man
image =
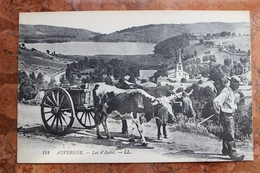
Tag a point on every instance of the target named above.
point(225, 104)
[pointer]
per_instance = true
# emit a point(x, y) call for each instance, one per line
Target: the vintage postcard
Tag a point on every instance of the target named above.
point(134, 86)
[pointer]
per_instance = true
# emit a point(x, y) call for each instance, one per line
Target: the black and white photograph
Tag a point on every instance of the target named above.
point(134, 87)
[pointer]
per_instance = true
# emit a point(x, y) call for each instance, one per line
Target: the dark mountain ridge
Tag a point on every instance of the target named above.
point(46, 33)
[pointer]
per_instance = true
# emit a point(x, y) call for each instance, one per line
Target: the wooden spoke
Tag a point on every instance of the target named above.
point(66, 115)
point(50, 101)
point(46, 105)
point(57, 123)
point(89, 114)
point(61, 101)
point(50, 117)
point(82, 115)
point(47, 112)
point(64, 103)
point(64, 120)
point(65, 109)
point(53, 121)
point(54, 99)
point(85, 119)
point(58, 97)
point(61, 123)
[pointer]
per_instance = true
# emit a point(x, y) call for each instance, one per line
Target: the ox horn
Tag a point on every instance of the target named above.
point(155, 102)
point(188, 94)
point(179, 95)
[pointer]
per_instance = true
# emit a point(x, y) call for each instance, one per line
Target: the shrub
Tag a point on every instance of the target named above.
point(143, 80)
point(198, 61)
point(213, 59)
point(214, 129)
point(243, 122)
point(205, 58)
point(183, 80)
point(201, 41)
point(200, 82)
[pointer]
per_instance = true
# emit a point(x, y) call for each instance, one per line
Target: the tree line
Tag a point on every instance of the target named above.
point(99, 68)
point(170, 47)
point(29, 85)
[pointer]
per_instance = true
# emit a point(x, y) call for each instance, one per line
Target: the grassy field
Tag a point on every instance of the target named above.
point(201, 49)
point(242, 43)
point(38, 58)
point(34, 61)
point(223, 55)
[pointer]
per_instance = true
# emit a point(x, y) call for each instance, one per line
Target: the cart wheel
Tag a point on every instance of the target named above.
point(87, 118)
point(57, 111)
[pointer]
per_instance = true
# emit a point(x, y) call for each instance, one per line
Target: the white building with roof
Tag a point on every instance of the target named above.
point(146, 74)
point(178, 73)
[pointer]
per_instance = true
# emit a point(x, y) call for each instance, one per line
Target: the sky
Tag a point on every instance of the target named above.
point(110, 21)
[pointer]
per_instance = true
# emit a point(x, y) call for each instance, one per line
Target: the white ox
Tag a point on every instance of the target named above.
point(131, 104)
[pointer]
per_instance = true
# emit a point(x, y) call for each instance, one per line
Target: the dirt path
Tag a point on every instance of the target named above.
point(179, 147)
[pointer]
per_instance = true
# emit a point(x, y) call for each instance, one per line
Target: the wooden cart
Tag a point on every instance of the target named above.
point(60, 105)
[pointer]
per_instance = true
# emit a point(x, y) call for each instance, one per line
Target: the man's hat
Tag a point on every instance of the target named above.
point(236, 78)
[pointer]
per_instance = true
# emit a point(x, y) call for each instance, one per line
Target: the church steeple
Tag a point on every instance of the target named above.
point(180, 61)
point(179, 64)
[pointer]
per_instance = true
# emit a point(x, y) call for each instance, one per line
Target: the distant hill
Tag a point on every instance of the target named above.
point(52, 34)
point(147, 33)
point(217, 27)
point(158, 33)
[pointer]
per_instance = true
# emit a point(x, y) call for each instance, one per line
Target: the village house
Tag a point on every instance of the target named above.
point(87, 72)
point(146, 74)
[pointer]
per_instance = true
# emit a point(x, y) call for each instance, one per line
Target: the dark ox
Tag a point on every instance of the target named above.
point(160, 112)
point(133, 105)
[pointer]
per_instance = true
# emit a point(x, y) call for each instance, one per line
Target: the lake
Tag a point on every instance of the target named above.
point(95, 48)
